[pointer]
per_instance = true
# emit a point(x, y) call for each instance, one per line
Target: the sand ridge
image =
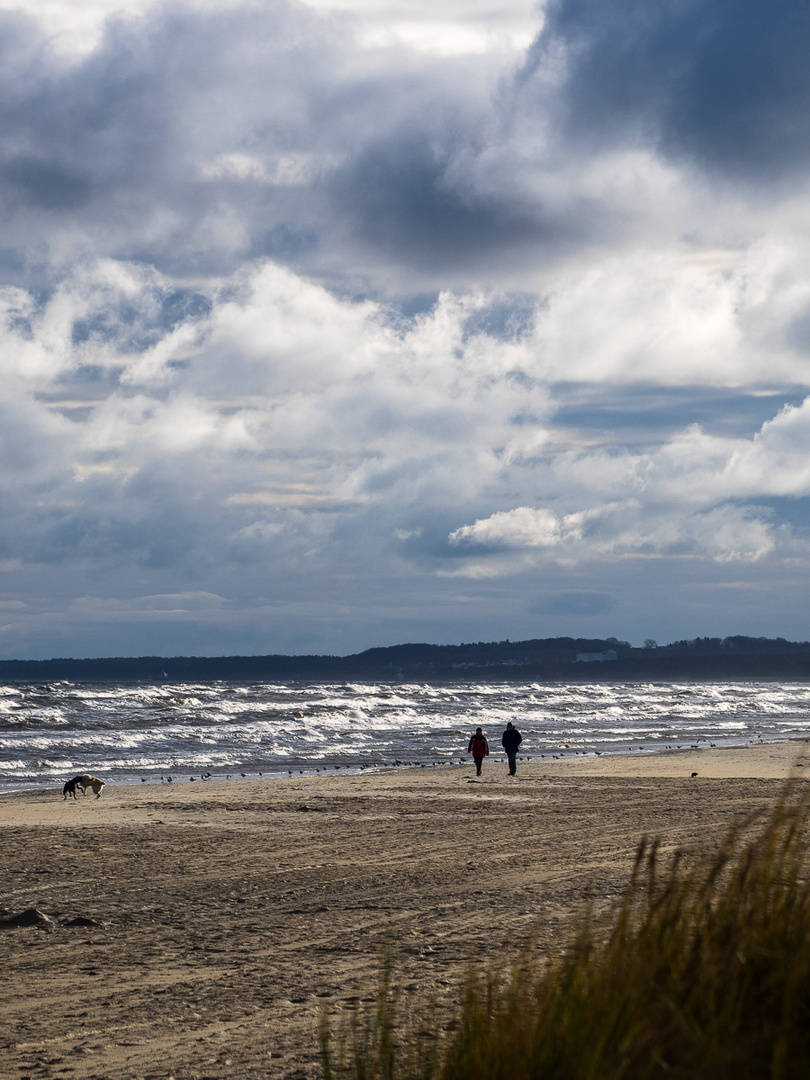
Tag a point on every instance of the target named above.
point(222, 919)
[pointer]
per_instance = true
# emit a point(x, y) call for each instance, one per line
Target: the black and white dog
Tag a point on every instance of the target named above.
point(83, 782)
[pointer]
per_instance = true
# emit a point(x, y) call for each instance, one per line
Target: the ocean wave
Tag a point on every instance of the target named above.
point(123, 731)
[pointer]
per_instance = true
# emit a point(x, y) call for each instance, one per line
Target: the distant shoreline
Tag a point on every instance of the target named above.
point(547, 660)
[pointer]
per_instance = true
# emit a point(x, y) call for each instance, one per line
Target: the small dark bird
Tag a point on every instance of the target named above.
point(694, 774)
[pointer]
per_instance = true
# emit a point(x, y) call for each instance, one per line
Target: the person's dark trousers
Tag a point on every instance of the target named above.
point(512, 762)
point(478, 762)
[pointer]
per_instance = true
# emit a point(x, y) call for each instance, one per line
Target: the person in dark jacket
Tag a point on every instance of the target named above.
point(479, 748)
point(511, 740)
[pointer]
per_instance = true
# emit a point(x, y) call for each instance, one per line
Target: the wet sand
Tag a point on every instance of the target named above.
point(217, 921)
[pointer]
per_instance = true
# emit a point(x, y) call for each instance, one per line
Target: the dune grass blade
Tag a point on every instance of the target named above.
point(702, 972)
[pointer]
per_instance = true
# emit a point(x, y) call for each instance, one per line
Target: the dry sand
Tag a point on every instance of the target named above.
point(217, 921)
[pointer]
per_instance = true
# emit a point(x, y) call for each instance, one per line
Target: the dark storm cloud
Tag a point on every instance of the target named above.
point(45, 185)
point(725, 82)
point(115, 146)
point(401, 196)
point(75, 132)
point(191, 141)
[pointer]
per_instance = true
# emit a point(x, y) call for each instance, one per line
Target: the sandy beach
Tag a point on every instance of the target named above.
point(201, 928)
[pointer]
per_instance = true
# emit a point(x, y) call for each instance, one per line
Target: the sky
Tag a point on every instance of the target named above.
point(344, 323)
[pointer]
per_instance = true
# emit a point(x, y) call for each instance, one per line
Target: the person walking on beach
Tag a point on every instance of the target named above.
point(511, 740)
point(479, 748)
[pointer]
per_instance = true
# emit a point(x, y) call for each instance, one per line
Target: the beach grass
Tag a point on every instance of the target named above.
point(700, 972)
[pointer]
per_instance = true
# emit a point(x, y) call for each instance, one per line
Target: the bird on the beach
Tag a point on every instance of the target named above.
point(694, 774)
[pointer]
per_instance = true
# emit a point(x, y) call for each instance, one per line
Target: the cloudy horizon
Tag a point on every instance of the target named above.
point(338, 324)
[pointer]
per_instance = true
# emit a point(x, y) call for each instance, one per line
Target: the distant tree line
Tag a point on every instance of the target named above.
point(546, 659)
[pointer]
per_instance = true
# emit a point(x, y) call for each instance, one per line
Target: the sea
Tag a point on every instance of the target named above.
point(127, 733)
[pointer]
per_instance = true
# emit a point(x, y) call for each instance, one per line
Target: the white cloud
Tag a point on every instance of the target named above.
point(287, 170)
point(76, 28)
point(522, 527)
point(630, 530)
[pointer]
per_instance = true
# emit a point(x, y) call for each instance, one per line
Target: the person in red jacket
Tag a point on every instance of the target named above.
point(479, 748)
